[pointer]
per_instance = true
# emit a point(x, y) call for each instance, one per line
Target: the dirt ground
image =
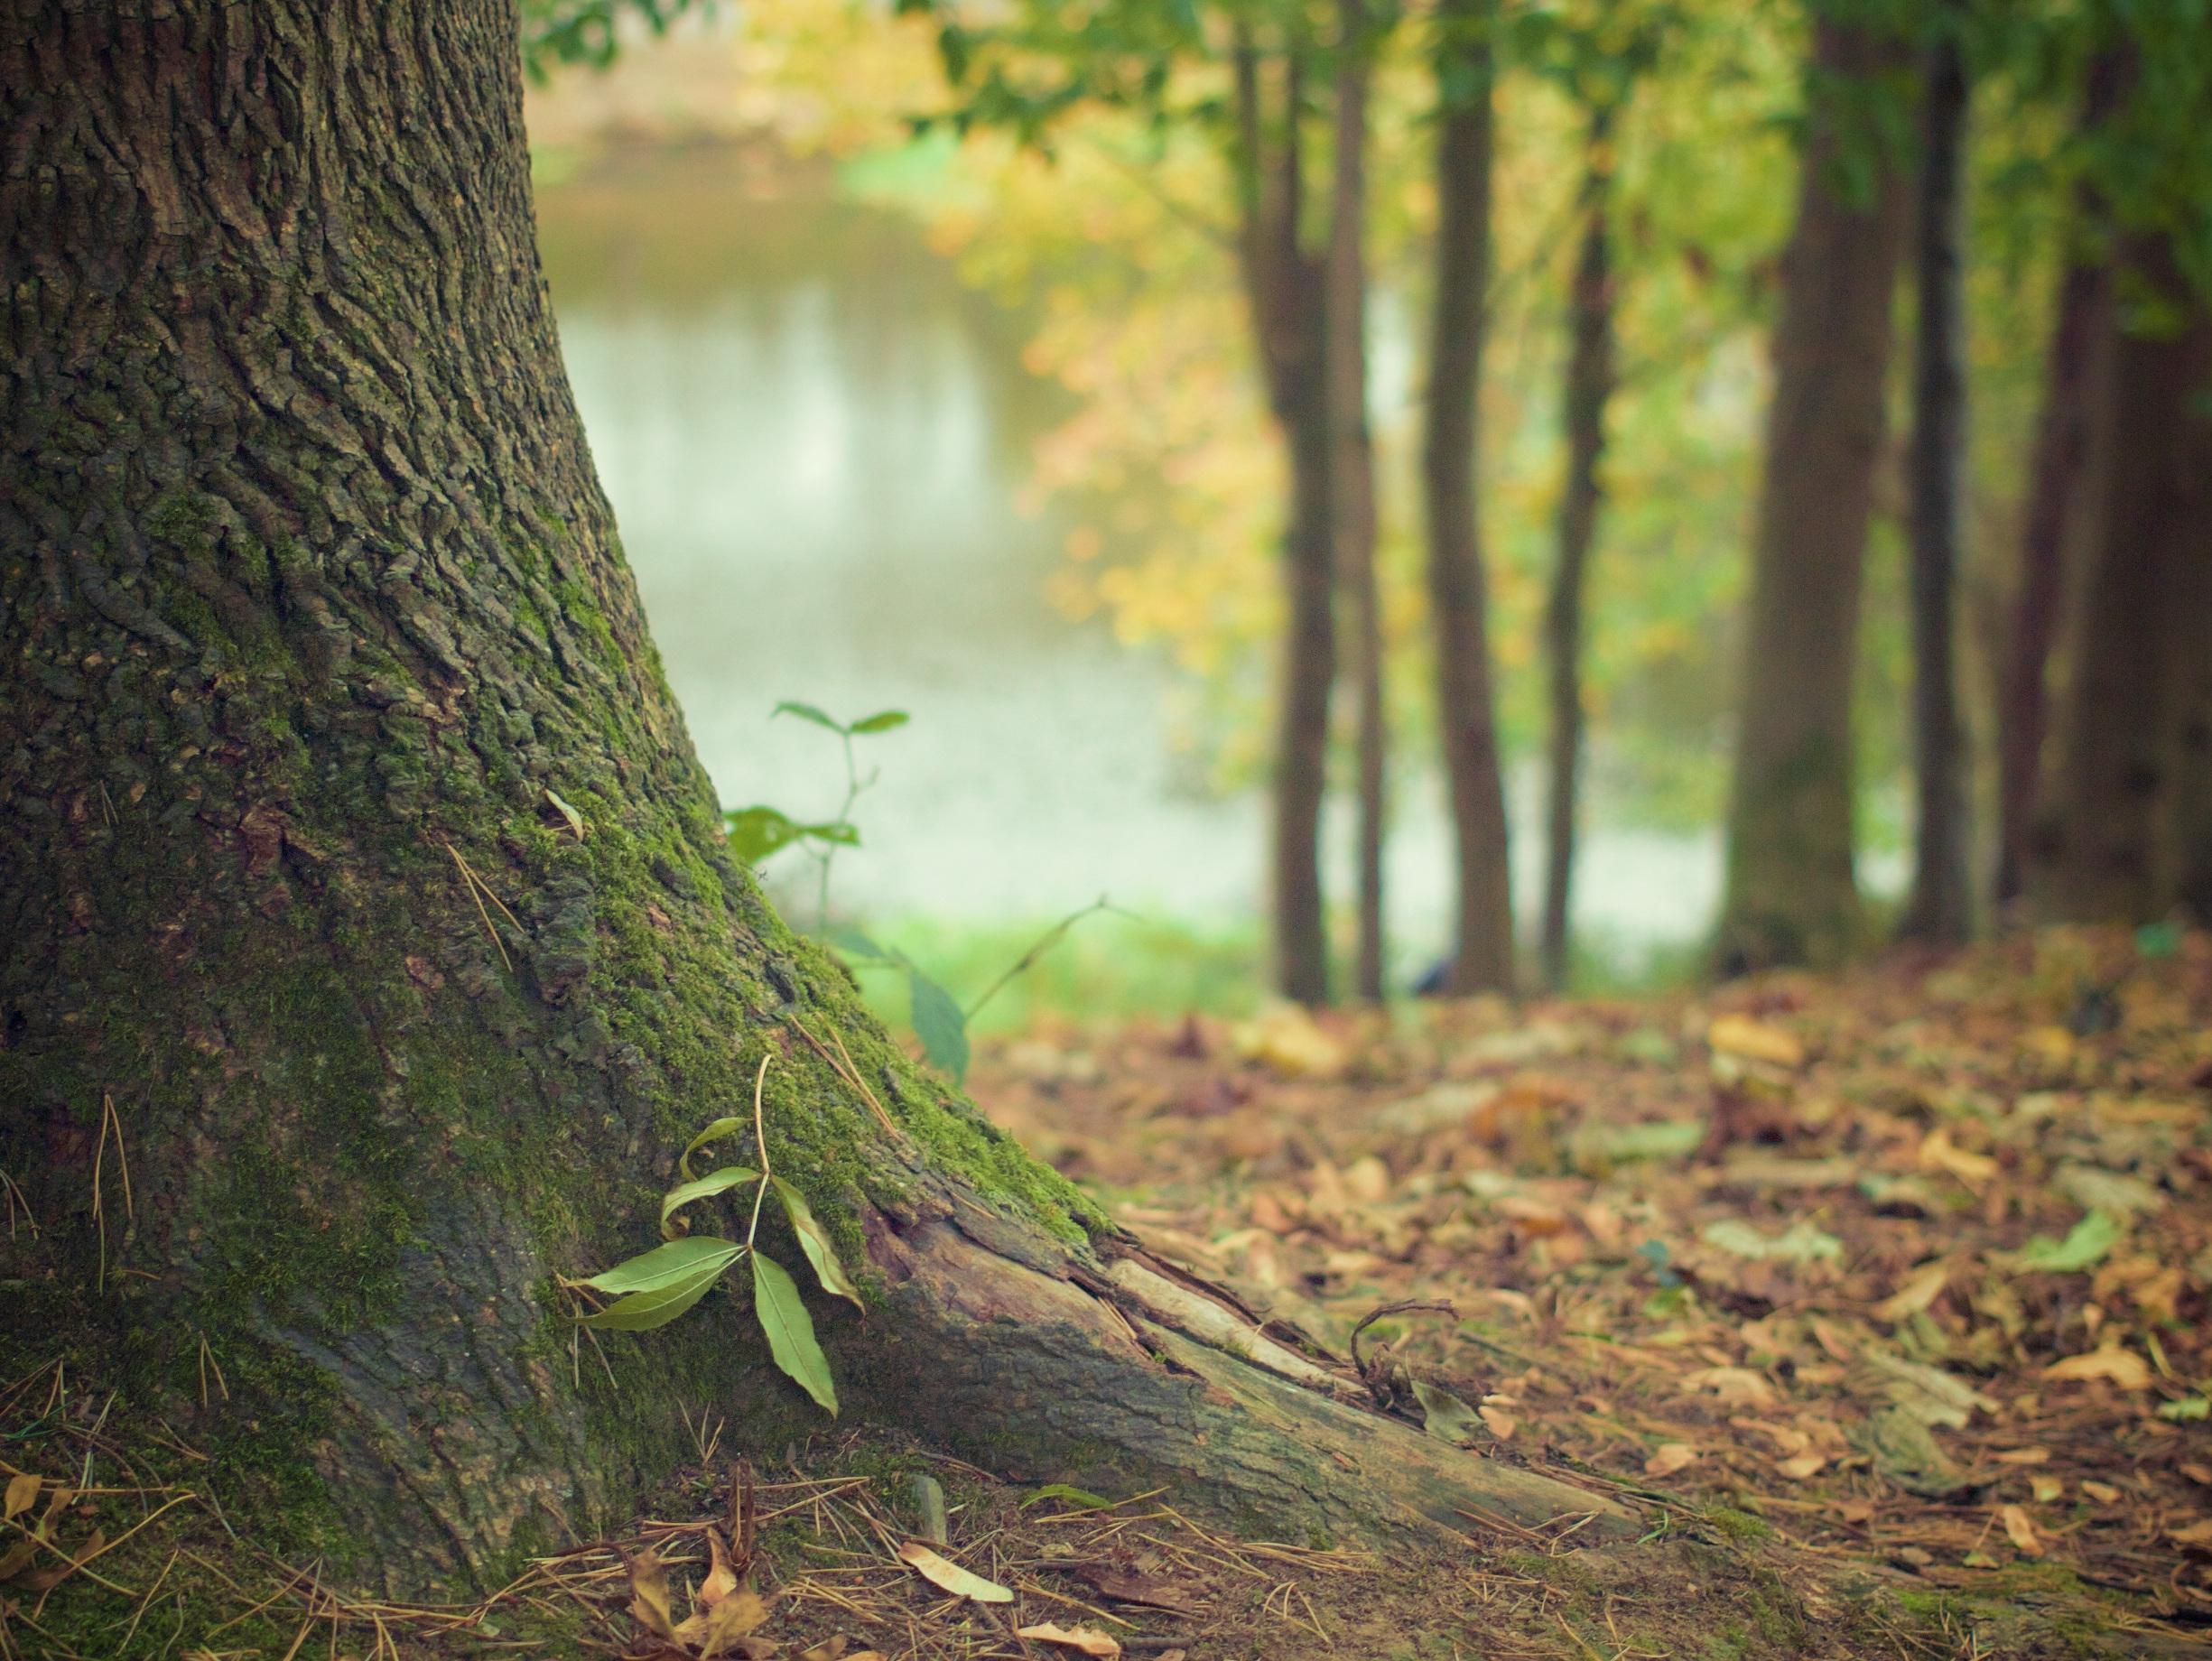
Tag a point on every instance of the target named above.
point(1886, 1293)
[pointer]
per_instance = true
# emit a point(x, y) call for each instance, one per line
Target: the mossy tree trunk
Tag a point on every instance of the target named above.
point(1458, 587)
point(309, 599)
point(1791, 892)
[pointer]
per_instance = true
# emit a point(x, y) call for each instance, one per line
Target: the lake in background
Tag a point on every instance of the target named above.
point(814, 440)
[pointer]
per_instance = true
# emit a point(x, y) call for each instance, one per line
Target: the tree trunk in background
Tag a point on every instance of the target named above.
point(1589, 387)
point(309, 596)
point(1483, 950)
point(1354, 481)
point(2123, 792)
point(1790, 896)
point(1286, 290)
point(1939, 909)
point(2062, 443)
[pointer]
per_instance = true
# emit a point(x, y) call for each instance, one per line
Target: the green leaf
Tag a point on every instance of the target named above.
point(1445, 1416)
point(2186, 1410)
point(807, 712)
point(791, 1330)
point(815, 1241)
point(939, 1024)
point(714, 1183)
point(883, 720)
point(2086, 1244)
point(756, 833)
point(727, 1126)
point(661, 1284)
point(855, 944)
point(1068, 1494)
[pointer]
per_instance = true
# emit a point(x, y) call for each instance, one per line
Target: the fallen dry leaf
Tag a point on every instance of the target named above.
point(23, 1493)
point(949, 1577)
point(1086, 1640)
point(2112, 1364)
point(1739, 1034)
point(717, 1630)
point(649, 1594)
point(2019, 1530)
point(1920, 1291)
point(1669, 1458)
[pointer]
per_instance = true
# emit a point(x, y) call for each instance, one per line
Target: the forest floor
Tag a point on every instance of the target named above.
point(1891, 1289)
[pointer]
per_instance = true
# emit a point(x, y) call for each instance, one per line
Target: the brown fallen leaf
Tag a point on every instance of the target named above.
point(721, 1578)
point(2195, 1535)
point(1503, 1425)
point(1085, 1640)
point(649, 1594)
point(23, 1493)
point(1670, 1457)
point(2019, 1530)
point(2045, 1488)
point(1925, 1285)
point(949, 1577)
point(2104, 1493)
point(1122, 1586)
point(1798, 1467)
point(718, 1630)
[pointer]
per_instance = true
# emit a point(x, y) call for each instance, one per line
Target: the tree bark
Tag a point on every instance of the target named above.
point(1589, 377)
point(1483, 959)
point(1285, 290)
point(1354, 481)
point(2056, 474)
point(309, 599)
point(1790, 896)
point(1939, 909)
point(2123, 800)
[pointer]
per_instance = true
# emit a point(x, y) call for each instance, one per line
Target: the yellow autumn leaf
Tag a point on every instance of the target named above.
point(1939, 1153)
point(948, 1576)
point(1670, 1457)
point(1739, 1034)
point(23, 1493)
point(1921, 1290)
point(2019, 1530)
point(2112, 1364)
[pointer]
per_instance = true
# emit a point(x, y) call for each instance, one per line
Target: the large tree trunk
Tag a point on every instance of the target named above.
point(1354, 481)
point(309, 597)
point(1482, 956)
point(1286, 290)
point(2062, 443)
point(1589, 388)
point(1790, 894)
point(2123, 796)
point(1939, 909)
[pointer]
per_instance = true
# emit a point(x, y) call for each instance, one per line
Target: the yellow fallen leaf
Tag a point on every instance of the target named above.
point(2112, 1364)
point(1939, 1153)
point(949, 1577)
point(2024, 1456)
point(1287, 1041)
point(2019, 1530)
point(2104, 1493)
point(2045, 1488)
point(721, 1580)
point(1739, 1034)
point(649, 1594)
point(1503, 1425)
point(2195, 1533)
point(1086, 1640)
point(1926, 1285)
point(1802, 1466)
point(716, 1630)
point(22, 1495)
point(1670, 1457)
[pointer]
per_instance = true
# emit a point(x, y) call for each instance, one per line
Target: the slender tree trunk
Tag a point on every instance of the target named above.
point(1589, 388)
point(1484, 955)
point(1939, 909)
point(1287, 293)
point(312, 607)
point(2062, 443)
point(1790, 896)
point(1354, 481)
point(2122, 796)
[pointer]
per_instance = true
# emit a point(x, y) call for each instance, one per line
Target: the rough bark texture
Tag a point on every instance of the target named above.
point(1354, 482)
point(1939, 909)
point(1482, 956)
point(1285, 290)
point(1790, 894)
point(1590, 375)
point(2124, 798)
point(308, 596)
point(2062, 443)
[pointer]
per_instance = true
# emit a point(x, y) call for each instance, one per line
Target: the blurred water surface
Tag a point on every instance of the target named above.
point(815, 440)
